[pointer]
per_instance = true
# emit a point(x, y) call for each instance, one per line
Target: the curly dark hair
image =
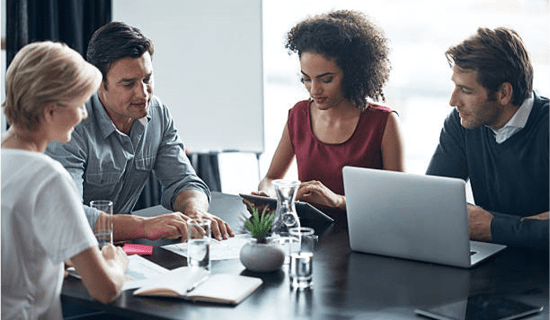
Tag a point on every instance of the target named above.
point(358, 46)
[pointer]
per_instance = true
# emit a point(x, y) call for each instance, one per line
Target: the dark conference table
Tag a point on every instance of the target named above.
point(347, 285)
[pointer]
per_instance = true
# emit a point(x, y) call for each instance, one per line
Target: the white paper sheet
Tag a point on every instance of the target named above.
point(139, 270)
point(219, 250)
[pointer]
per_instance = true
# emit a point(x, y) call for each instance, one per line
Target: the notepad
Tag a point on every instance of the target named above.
point(196, 284)
point(142, 249)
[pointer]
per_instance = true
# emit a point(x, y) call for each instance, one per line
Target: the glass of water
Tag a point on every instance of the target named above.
point(301, 257)
point(198, 243)
point(104, 226)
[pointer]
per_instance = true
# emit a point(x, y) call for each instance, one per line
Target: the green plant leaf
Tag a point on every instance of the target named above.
point(259, 225)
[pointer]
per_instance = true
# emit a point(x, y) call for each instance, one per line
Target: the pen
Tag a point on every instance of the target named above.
point(196, 284)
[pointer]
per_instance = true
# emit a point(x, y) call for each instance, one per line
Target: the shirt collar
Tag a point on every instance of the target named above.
point(517, 122)
point(106, 125)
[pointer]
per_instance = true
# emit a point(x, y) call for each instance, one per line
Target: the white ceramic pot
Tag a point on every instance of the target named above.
point(262, 257)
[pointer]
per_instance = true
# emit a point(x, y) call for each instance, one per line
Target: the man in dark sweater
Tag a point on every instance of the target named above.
point(497, 137)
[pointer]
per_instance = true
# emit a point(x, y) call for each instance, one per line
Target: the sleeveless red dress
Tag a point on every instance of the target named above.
point(321, 161)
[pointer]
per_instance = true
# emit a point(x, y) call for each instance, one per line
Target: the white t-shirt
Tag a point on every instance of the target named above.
point(43, 224)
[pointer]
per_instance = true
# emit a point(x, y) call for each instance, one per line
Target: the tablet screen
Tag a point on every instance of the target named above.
point(304, 209)
point(481, 307)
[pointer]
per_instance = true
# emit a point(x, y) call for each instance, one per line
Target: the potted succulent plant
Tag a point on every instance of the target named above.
point(261, 253)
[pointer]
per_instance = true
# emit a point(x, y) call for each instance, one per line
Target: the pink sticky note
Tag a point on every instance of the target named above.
point(141, 249)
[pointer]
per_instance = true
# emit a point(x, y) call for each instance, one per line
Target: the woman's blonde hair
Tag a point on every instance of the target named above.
point(43, 73)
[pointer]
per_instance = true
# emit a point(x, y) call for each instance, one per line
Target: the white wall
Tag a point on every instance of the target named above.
point(207, 67)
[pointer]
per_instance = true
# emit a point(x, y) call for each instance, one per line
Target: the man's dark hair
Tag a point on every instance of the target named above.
point(498, 56)
point(114, 41)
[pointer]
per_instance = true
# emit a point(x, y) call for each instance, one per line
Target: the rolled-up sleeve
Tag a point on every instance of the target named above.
point(172, 166)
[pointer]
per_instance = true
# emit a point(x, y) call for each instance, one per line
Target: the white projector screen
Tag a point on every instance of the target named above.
point(207, 68)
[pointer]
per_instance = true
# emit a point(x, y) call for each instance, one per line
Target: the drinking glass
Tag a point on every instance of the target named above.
point(198, 243)
point(104, 225)
point(301, 257)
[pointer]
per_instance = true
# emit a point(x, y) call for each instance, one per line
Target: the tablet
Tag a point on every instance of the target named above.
point(305, 210)
point(481, 307)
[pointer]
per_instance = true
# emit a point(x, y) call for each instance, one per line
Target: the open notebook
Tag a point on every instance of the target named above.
point(197, 284)
point(410, 216)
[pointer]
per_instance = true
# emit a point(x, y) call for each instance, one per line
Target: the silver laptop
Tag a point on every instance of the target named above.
point(410, 216)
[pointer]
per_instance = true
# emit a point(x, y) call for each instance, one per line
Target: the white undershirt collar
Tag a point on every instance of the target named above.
point(517, 122)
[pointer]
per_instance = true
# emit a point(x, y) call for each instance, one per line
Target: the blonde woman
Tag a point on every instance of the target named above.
point(43, 222)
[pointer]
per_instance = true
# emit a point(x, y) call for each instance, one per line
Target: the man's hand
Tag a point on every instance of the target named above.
point(480, 223)
point(220, 228)
point(166, 226)
point(194, 204)
point(316, 192)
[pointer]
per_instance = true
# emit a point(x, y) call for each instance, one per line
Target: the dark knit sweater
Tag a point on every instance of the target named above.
point(510, 180)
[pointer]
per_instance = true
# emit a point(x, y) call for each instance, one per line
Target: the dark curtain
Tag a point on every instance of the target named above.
point(207, 168)
point(70, 21)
